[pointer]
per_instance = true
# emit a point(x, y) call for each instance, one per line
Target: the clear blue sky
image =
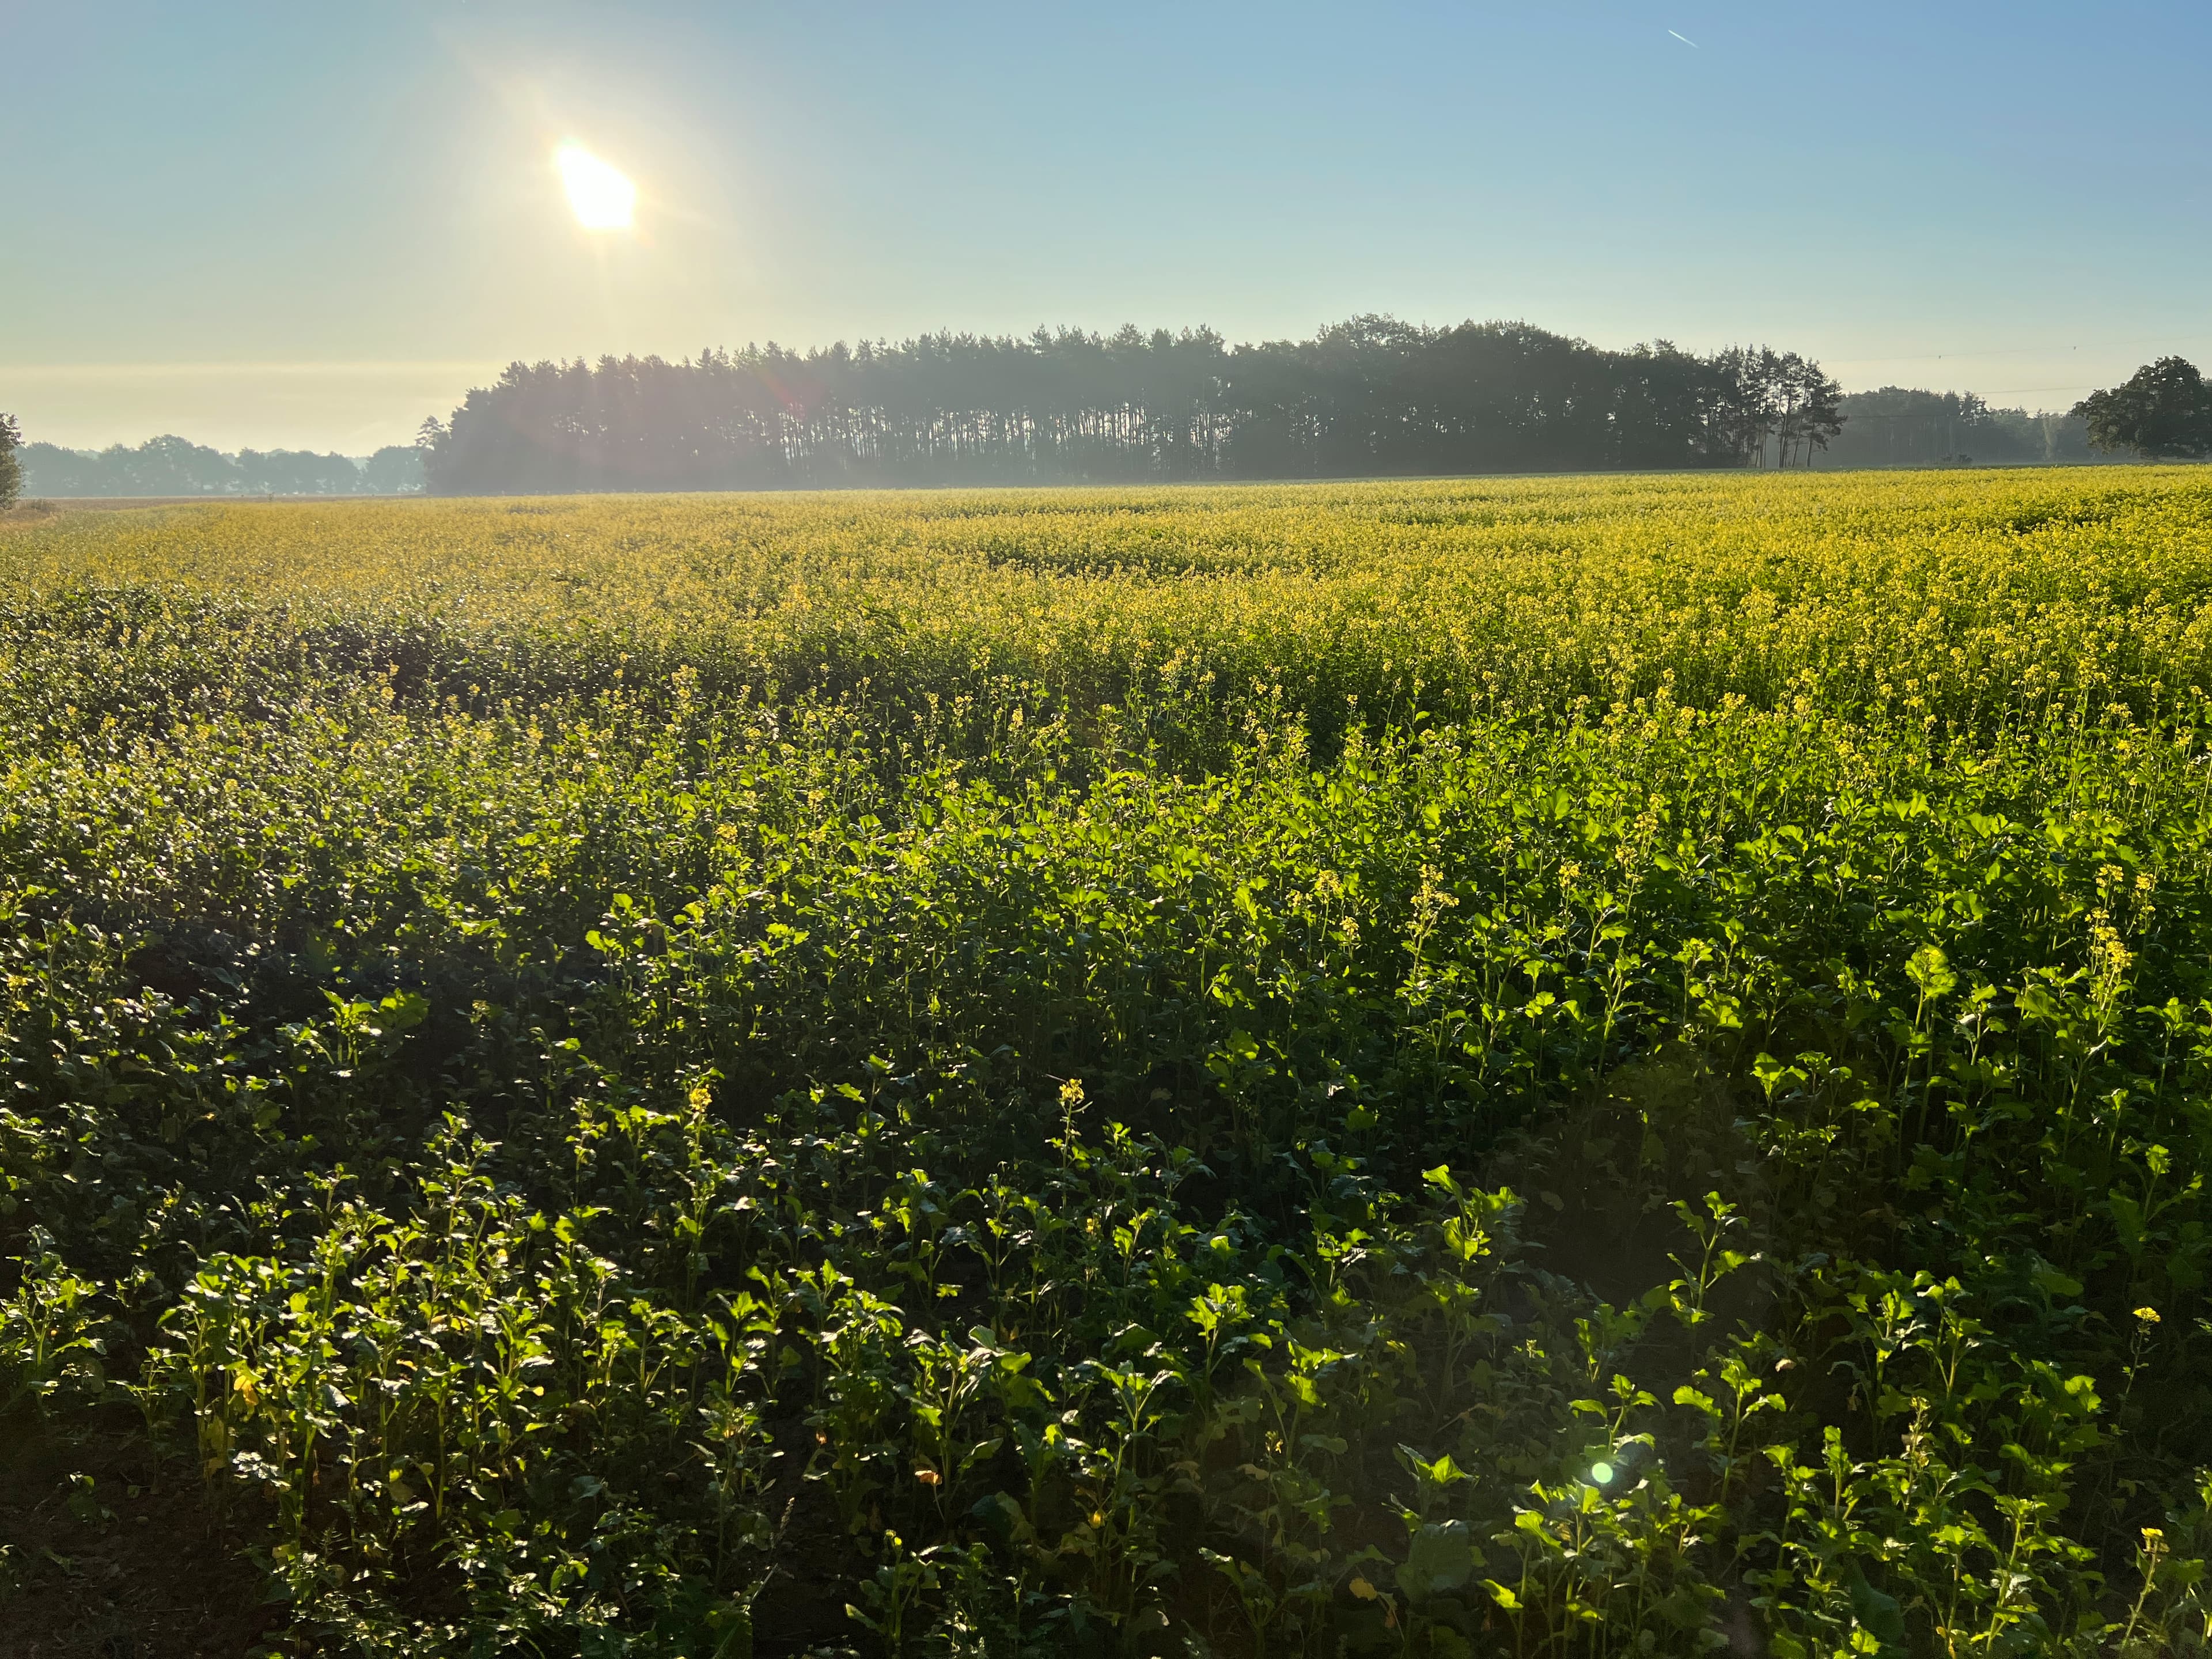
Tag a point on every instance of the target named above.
point(314, 224)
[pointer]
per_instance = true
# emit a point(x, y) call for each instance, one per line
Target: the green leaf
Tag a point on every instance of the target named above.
point(1877, 1614)
point(1443, 1559)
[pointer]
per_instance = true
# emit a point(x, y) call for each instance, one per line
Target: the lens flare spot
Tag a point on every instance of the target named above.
point(602, 199)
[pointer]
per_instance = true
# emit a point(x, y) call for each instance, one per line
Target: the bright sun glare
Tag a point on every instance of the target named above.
point(602, 199)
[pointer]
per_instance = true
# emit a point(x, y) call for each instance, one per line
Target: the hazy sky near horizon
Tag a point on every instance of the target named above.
point(294, 226)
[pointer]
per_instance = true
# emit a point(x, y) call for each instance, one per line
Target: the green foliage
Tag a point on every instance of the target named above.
point(591, 1134)
point(2163, 413)
point(1370, 395)
point(11, 462)
point(170, 466)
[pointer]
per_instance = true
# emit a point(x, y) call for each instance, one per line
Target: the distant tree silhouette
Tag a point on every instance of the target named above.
point(296, 472)
point(2164, 412)
point(1778, 399)
point(1371, 396)
point(170, 466)
point(394, 469)
point(11, 466)
point(1896, 426)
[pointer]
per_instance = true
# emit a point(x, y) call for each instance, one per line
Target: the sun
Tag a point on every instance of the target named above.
point(602, 199)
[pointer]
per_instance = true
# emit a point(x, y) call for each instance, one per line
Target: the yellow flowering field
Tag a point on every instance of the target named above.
point(1575, 1065)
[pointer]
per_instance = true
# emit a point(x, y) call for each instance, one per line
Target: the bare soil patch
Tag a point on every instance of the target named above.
point(133, 1562)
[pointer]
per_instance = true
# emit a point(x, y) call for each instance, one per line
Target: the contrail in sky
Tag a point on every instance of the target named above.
point(1684, 38)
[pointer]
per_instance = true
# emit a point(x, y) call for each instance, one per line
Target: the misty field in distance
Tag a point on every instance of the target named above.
point(1521, 1067)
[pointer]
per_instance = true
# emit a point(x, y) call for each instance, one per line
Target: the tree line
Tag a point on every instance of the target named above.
point(1902, 426)
point(1365, 397)
point(170, 466)
point(2163, 412)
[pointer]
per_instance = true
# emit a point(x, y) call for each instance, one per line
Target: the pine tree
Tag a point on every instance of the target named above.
point(11, 465)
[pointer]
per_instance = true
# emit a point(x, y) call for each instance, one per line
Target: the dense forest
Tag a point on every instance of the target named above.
point(1371, 397)
point(175, 467)
point(1898, 426)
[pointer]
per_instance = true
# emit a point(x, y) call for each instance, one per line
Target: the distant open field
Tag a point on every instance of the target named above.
point(1981, 588)
point(1538, 1066)
point(123, 503)
point(111, 503)
point(41, 510)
